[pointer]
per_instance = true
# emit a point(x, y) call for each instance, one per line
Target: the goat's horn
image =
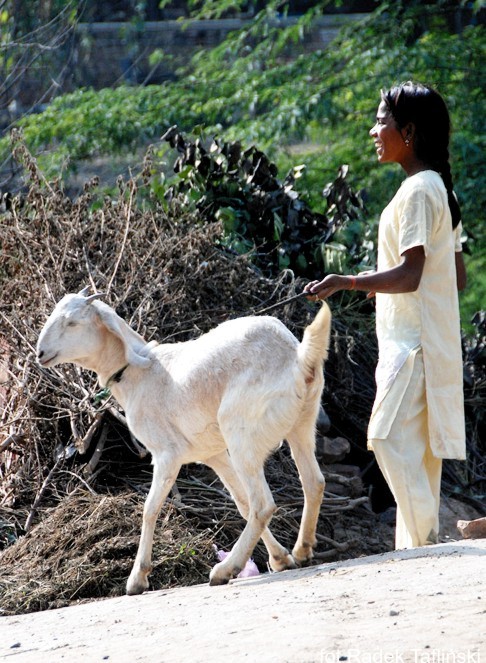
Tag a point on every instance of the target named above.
point(84, 291)
point(97, 295)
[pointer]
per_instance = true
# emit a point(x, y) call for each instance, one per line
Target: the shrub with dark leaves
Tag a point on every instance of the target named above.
point(259, 212)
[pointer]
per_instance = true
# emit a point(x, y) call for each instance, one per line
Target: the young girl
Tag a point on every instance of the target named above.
point(418, 414)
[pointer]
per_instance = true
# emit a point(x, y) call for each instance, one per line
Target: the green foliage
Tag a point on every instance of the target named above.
point(208, 9)
point(299, 106)
point(474, 297)
point(107, 121)
point(26, 17)
point(262, 214)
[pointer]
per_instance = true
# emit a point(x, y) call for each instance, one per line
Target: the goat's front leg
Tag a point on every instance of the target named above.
point(165, 473)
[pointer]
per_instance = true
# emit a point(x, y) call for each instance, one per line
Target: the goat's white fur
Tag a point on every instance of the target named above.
point(226, 399)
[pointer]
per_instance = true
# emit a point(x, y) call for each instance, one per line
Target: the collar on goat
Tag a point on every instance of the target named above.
point(106, 392)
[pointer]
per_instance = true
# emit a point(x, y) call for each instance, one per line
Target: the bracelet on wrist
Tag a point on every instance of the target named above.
point(353, 282)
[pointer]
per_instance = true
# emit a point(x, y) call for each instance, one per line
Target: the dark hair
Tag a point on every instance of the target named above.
point(426, 109)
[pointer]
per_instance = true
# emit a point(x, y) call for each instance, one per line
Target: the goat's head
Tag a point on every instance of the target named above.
point(76, 331)
point(70, 333)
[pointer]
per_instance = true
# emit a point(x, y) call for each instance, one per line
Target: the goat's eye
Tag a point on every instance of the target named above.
point(71, 323)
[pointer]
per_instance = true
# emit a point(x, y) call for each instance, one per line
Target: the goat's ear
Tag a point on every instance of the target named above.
point(132, 342)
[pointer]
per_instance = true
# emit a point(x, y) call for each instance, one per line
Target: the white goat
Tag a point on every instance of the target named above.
point(226, 399)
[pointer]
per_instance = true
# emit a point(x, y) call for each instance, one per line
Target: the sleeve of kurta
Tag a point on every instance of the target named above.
point(416, 218)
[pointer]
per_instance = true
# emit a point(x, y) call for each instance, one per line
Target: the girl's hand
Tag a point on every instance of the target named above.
point(328, 286)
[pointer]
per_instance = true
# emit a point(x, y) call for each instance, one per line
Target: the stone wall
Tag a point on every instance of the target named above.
point(111, 53)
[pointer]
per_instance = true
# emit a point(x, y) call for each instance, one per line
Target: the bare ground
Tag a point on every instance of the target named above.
point(425, 605)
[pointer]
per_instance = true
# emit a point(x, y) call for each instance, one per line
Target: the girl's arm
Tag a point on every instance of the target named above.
point(403, 278)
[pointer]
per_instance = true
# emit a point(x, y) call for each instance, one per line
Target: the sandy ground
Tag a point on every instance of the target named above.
point(424, 605)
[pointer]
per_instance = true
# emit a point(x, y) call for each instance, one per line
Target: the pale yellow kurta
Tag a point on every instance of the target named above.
point(427, 319)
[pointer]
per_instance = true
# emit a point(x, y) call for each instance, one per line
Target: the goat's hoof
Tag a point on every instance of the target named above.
point(215, 581)
point(303, 554)
point(133, 590)
point(136, 586)
point(283, 563)
point(219, 575)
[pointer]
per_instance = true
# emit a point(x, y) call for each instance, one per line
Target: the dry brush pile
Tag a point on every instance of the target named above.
point(72, 479)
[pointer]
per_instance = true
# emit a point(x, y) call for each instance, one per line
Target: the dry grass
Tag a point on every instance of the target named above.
point(84, 548)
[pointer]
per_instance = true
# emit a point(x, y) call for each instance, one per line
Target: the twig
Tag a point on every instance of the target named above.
point(41, 492)
point(82, 444)
point(95, 458)
point(341, 547)
point(124, 241)
point(11, 439)
point(325, 554)
point(85, 483)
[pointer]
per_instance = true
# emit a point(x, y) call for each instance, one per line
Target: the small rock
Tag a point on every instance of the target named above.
point(472, 529)
point(345, 470)
point(394, 613)
point(332, 450)
point(450, 511)
point(323, 423)
point(389, 516)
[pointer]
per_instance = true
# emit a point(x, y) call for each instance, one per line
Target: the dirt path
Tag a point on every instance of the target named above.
point(424, 605)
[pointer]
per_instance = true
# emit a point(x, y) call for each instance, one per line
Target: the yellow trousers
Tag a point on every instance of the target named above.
point(412, 472)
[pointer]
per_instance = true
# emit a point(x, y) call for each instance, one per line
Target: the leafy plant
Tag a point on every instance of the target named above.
point(261, 213)
point(299, 107)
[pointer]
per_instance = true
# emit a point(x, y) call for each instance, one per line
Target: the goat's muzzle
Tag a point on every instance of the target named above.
point(44, 361)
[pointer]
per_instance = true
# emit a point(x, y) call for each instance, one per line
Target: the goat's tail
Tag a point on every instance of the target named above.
point(313, 350)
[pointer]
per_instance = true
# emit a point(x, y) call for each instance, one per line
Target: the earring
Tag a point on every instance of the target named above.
point(407, 141)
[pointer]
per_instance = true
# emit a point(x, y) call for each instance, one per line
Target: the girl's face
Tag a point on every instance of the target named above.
point(390, 141)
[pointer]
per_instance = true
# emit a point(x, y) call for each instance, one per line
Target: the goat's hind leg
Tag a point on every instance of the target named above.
point(302, 445)
point(279, 557)
point(165, 473)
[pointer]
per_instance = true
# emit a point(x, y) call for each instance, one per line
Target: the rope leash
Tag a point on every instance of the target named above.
point(283, 302)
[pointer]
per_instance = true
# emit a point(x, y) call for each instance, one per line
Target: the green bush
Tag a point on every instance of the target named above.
point(262, 214)
point(299, 107)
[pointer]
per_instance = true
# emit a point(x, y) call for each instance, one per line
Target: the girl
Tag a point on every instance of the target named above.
point(418, 414)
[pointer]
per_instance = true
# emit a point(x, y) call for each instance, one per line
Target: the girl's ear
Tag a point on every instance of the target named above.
point(408, 132)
